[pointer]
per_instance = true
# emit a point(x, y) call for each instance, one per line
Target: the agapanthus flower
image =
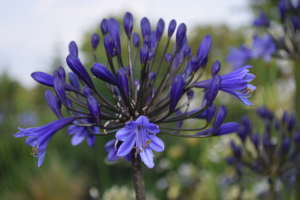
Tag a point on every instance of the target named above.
point(141, 104)
point(238, 57)
point(262, 20)
point(263, 47)
point(272, 158)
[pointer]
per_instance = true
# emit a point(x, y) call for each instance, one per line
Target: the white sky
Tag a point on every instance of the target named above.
point(30, 31)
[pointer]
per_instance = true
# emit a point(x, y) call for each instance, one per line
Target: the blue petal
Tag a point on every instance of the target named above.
point(126, 146)
point(31, 141)
point(156, 144)
point(124, 133)
point(152, 128)
point(112, 155)
point(127, 157)
point(41, 157)
point(142, 120)
point(147, 157)
point(131, 124)
point(91, 140)
point(77, 139)
point(110, 145)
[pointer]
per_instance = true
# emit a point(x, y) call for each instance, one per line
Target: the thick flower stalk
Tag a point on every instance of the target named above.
point(147, 98)
point(276, 151)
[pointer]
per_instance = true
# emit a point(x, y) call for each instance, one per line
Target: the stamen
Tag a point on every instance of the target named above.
point(116, 145)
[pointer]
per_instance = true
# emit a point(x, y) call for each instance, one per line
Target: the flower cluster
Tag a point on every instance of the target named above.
point(138, 108)
point(272, 154)
point(280, 41)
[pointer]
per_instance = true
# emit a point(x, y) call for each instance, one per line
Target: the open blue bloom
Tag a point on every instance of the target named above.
point(139, 134)
point(81, 133)
point(263, 47)
point(112, 148)
point(235, 83)
point(238, 57)
point(39, 137)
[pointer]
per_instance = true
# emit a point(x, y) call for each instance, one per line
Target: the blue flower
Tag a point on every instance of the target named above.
point(263, 47)
point(39, 137)
point(238, 57)
point(112, 148)
point(139, 135)
point(81, 133)
point(235, 83)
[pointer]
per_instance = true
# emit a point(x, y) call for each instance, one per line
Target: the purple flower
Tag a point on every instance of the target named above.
point(81, 133)
point(263, 47)
point(176, 91)
point(101, 72)
point(262, 20)
point(238, 57)
point(235, 83)
point(95, 41)
point(112, 148)
point(172, 27)
point(139, 134)
point(160, 29)
point(73, 49)
point(39, 137)
point(128, 23)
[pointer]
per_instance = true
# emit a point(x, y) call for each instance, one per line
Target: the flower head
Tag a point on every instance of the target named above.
point(238, 57)
point(263, 47)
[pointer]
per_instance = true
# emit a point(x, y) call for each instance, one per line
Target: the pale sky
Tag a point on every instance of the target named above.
point(31, 31)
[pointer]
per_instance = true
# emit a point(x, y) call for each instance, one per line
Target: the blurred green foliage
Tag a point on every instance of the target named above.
point(187, 169)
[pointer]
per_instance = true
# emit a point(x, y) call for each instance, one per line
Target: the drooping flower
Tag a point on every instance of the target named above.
point(140, 134)
point(39, 137)
point(235, 83)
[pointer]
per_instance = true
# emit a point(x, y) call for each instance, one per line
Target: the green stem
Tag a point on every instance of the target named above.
point(138, 179)
point(297, 78)
point(272, 188)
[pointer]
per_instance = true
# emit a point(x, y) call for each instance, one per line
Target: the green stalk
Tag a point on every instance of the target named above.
point(297, 79)
point(272, 188)
point(138, 179)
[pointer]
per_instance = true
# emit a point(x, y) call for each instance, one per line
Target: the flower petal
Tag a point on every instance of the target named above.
point(112, 155)
point(156, 144)
point(124, 133)
point(147, 157)
point(91, 140)
point(41, 157)
point(142, 120)
point(126, 146)
point(31, 141)
point(152, 128)
point(77, 139)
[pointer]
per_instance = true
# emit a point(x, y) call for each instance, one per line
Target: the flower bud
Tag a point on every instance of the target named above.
point(128, 24)
point(210, 113)
point(60, 90)
point(295, 21)
point(160, 29)
point(297, 139)
point(104, 26)
point(172, 27)
point(53, 103)
point(153, 40)
point(262, 21)
point(109, 45)
point(86, 91)
point(284, 117)
point(73, 48)
point(203, 50)
point(147, 40)
point(74, 80)
point(247, 124)
point(282, 9)
point(230, 160)
point(188, 70)
point(216, 66)
point(95, 41)
point(144, 54)
point(220, 117)
point(255, 139)
point(187, 52)
point(168, 57)
point(242, 133)
point(285, 145)
point(136, 40)
point(123, 82)
point(127, 70)
point(176, 92)
point(276, 124)
point(101, 72)
point(94, 109)
point(179, 123)
point(151, 76)
point(47, 80)
point(150, 55)
point(180, 34)
point(195, 63)
point(145, 27)
point(77, 67)
point(214, 89)
point(190, 94)
point(114, 31)
point(292, 122)
point(236, 149)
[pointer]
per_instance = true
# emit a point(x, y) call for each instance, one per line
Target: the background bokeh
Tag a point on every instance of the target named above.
point(35, 37)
